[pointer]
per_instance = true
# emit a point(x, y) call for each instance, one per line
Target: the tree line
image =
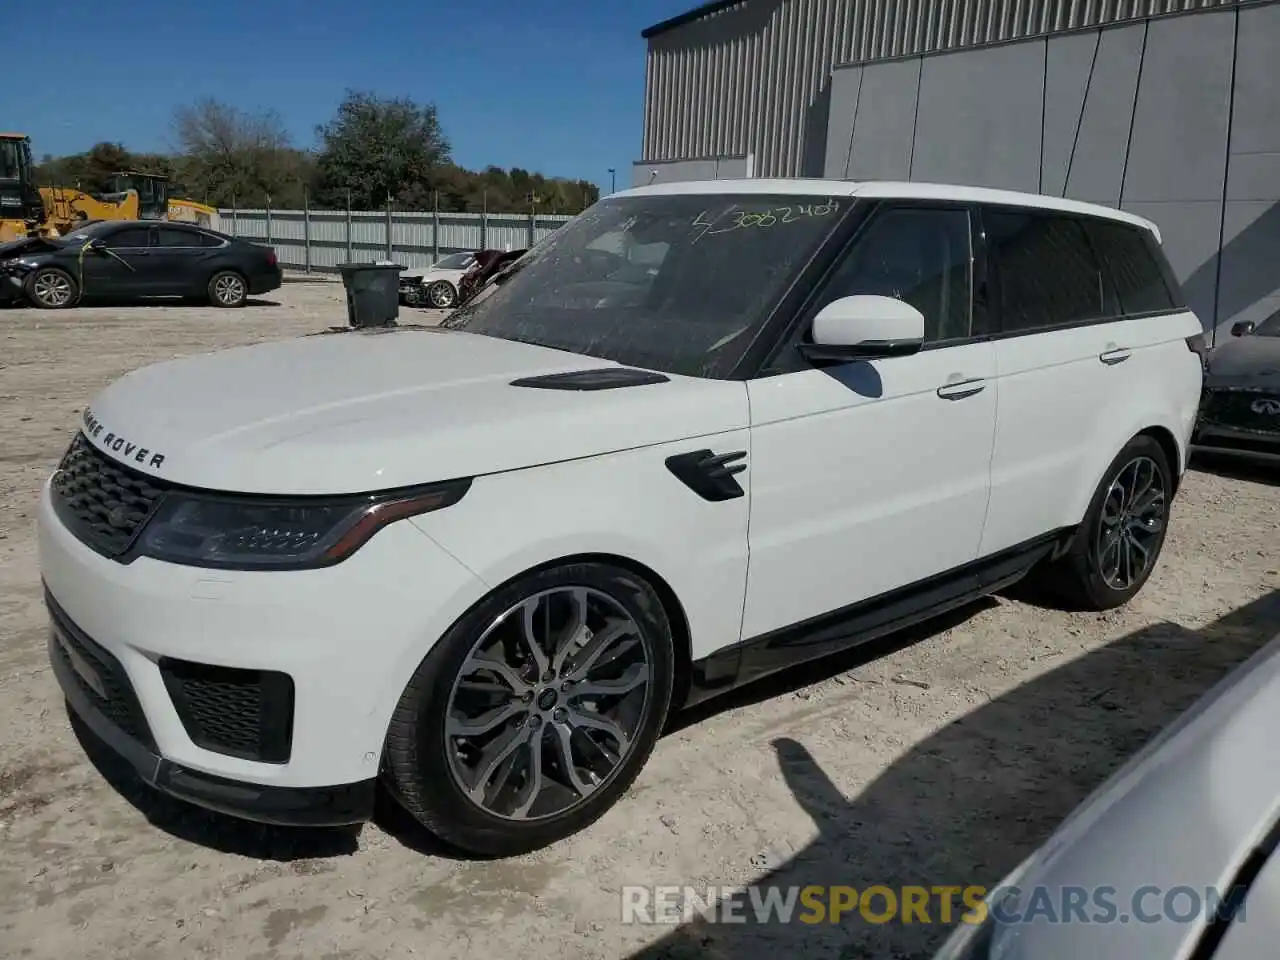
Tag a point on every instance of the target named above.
point(373, 151)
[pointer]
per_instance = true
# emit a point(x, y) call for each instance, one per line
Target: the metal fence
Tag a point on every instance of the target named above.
point(319, 240)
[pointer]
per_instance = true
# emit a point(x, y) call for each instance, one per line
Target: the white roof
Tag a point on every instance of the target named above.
point(888, 189)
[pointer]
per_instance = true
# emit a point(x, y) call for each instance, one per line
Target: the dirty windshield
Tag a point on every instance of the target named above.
point(670, 282)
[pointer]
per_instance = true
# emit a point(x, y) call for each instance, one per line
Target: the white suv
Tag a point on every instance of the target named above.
point(706, 431)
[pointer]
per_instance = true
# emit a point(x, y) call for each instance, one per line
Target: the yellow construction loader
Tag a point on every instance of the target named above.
point(53, 211)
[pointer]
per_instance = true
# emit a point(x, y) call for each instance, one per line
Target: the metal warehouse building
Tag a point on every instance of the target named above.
point(1167, 108)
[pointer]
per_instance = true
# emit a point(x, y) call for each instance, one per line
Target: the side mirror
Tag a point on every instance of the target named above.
point(865, 327)
point(1242, 329)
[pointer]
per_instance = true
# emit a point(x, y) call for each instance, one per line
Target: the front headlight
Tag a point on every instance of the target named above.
point(270, 533)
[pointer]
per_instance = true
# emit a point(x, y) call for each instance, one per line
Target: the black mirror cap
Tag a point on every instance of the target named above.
point(867, 350)
point(1242, 329)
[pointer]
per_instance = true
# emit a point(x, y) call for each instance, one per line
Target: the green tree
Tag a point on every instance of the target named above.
point(376, 147)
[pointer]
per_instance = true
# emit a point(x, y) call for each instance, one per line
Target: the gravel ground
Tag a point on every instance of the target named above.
point(940, 757)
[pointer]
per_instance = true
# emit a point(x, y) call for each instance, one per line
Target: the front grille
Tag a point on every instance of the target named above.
point(102, 502)
point(113, 693)
point(240, 713)
point(1238, 409)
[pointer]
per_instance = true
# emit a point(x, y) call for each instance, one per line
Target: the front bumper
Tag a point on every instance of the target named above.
point(285, 806)
point(348, 637)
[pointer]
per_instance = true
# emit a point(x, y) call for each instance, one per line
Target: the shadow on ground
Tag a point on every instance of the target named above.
point(249, 303)
point(1237, 468)
point(969, 803)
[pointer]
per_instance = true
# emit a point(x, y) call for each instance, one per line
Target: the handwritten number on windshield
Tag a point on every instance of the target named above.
point(735, 219)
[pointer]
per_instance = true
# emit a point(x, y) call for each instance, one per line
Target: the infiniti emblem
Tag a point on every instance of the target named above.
point(1266, 405)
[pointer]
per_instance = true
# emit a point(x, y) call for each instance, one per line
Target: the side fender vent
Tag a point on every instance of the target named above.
point(710, 475)
point(605, 378)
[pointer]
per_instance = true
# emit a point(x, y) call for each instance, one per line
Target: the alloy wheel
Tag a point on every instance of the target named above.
point(1132, 523)
point(52, 289)
point(228, 289)
point(441, 296)
point(548, 703)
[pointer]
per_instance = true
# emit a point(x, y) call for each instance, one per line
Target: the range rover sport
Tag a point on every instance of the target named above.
point(705, 431)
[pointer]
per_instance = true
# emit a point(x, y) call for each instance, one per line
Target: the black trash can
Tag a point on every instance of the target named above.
point(373, 293)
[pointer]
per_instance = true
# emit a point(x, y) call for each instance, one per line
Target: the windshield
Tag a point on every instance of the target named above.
point(14, 158)
point(1269, 327)
point(455, 261)
point(670, 282)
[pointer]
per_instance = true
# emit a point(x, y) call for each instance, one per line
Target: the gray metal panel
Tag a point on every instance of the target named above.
point(1250, 252)
point(1097, 166)
point(1179, 136)
point(845, 85)
point(1068, 64)
point(1254, 172)
point(1255, 123)
point(979, 117)
point(743, 78)
point(1190, 239)
point(885, 125)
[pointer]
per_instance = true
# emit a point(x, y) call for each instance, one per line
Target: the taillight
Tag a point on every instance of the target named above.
point(271, 258)
point(1196, 344)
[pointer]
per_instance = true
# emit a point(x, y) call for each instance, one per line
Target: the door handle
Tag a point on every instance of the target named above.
point(961, 389)
point(1114, 355)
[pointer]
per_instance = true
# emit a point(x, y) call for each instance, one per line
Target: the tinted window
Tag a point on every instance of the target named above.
point(1048, 274)
point(128, 237)
point(1269, 327)
point(673, 282)
point(174, 237)
point(1129, 260)
point(209, 240)
point(918, 256)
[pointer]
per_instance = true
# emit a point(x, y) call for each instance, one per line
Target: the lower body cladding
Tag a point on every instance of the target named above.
point(266, 696)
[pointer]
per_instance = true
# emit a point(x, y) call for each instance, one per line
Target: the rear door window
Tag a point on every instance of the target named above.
point(1046, 270)
point(175, 237)
point(1128, 256)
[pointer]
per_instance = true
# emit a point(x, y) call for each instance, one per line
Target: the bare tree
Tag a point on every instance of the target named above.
point(237, 154)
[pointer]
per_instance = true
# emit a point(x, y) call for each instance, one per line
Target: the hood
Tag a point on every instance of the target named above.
point(372, 410)
point(433, 273)
point(1251, 358)
point(26, 247)
point(1188, 810)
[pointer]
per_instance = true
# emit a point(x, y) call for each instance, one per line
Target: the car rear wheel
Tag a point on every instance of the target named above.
point(441, 295)
point(535, 712)
point(52, 289)
point(1121, 537)
point(228, 289)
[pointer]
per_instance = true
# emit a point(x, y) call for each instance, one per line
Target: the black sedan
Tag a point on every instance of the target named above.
point(1240, 413)
point(132, 259)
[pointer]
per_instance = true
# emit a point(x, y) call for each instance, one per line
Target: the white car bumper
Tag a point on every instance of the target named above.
point(294, 733)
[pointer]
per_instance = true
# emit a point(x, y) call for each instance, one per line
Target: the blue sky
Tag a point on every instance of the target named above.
point(549, 85)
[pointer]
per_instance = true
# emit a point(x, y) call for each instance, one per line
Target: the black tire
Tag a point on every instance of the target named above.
point(229, 289)
point(50, 288)
point(417, 758)
point(414, 296)
point(441, 295)
point(1081, 576)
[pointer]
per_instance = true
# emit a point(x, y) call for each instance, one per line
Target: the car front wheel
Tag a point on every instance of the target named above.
point(535, 711)
point(441, 295)
point(228, 289)
point(52, 289)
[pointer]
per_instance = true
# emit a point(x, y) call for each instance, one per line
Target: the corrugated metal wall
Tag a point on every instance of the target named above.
point(361, 236)
point(751, 78)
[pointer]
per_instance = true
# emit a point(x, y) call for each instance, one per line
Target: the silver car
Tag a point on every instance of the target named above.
point(1240, 410)
point(1174, 857)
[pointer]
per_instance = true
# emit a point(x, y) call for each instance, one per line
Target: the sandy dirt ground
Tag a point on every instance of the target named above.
point(940, 757)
